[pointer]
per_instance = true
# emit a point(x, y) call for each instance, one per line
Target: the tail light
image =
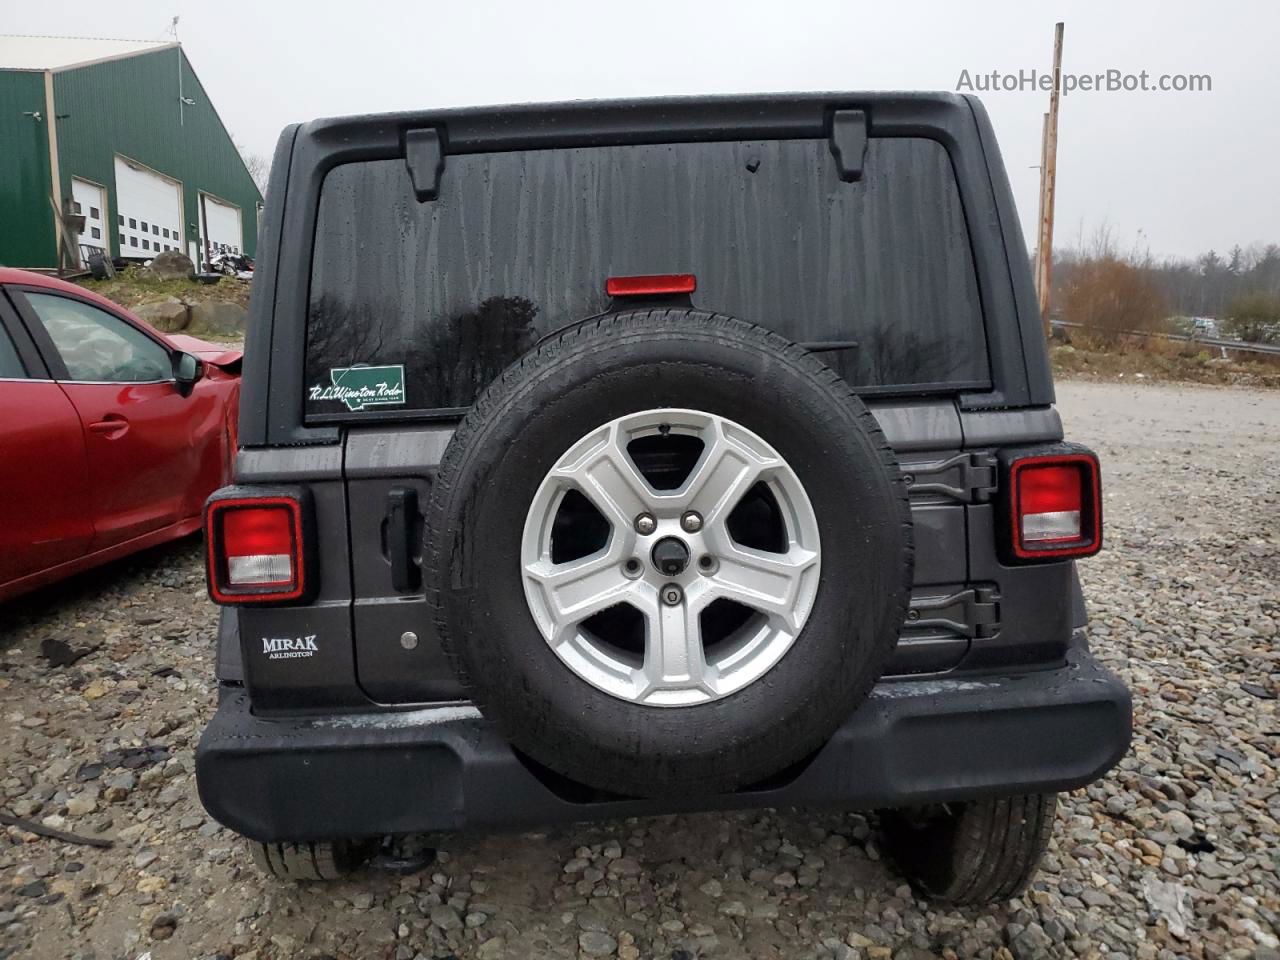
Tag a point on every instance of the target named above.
point(257, 548)
point(657, 285)
point(1056, 506)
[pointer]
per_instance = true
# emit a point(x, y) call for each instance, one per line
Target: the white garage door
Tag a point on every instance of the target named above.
point(222, 224)
point(89, 200)
point(150, 216)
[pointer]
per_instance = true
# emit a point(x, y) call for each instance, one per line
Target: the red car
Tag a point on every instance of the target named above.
point(112, 434)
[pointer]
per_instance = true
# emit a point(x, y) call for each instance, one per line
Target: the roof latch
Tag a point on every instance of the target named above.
point(849, 142)
point(424, 156)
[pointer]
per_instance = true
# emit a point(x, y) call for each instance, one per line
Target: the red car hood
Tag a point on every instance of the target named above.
point(214, 353)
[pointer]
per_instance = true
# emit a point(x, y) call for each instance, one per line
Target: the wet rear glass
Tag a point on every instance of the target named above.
point(519, 244)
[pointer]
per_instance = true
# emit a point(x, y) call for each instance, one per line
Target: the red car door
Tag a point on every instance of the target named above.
point(147, 446)
point(44, 511)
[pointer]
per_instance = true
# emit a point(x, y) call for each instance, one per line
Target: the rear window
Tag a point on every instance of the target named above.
point(438, 298)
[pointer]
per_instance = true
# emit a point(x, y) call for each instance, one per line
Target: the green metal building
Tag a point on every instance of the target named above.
point(122, 134)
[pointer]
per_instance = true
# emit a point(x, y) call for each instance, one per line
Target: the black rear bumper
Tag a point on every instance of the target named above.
point(445, 768)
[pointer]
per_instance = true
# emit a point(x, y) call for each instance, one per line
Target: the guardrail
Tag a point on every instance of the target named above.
point(1272, 348)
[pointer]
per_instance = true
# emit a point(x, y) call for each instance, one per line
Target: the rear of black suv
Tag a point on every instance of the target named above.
point(605, 459)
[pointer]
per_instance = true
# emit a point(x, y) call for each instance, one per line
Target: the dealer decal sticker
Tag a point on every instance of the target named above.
point(289, 648)
point(360, 387)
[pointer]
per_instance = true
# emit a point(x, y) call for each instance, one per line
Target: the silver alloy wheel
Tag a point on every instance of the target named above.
point(676, 668)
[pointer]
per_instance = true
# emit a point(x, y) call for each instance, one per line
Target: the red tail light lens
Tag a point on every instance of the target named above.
point(1056, 503)
point(255, 550)
point(651, 286)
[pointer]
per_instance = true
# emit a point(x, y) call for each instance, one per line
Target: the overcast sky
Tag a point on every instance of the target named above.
point(1176, 172)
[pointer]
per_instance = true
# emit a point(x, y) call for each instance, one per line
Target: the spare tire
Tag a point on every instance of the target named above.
point(668, 549)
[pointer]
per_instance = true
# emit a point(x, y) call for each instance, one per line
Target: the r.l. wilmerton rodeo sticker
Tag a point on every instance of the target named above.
point(360, 387)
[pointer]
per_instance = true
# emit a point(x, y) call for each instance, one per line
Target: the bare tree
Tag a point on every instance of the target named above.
point(1109, 296)
point(259, 167)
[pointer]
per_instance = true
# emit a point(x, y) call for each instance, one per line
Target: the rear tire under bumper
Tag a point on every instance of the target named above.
point(445, 768)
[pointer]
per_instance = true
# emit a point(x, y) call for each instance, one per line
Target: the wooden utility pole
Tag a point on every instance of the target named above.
point(1039, 274)
point(1048, 178)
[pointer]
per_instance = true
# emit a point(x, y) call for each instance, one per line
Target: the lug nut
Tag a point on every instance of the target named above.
point(691, 522)
point(646, 524)
point(672, 594)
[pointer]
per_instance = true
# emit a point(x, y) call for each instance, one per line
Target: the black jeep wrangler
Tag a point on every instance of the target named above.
point(606, 459)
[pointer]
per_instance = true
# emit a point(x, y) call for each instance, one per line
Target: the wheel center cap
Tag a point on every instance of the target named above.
point(670, 556)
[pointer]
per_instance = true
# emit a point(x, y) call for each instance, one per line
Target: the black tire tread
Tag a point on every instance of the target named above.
point(550, 348)
point(316, 860)
point(990, 855)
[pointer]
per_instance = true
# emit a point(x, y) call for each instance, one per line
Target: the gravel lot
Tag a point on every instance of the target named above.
point(1173, 854)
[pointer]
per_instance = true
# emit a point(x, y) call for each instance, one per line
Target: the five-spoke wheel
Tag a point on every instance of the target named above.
point(671, 556)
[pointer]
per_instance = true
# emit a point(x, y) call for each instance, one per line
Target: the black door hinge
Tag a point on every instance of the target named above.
point(424, 156)
point(973, 613)
point(849, 143)
point(967, 477)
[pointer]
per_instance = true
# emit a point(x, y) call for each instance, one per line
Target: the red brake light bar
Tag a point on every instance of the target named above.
point(651, 286)
point(256, 550)
point(1056, 506)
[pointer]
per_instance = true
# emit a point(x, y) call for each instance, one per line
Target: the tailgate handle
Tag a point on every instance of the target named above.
point(402, 520)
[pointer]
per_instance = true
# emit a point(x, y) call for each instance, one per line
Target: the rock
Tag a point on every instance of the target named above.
point(491, 949)
point(476, 919)
point(170, 265)
point(1212, 869)
point(163, 925)
point(119, 787)
point(624, 867)
point(592, 920)
point(218, 317)
point(1169, 901)
point(169, 315)
point(81, 805)
point(284, 943)
point(1096, 898)
point(594, 943)
point(445, 917)
point(362, 901)
point(62, 654)
point(1029, 943)
point(1180, 823)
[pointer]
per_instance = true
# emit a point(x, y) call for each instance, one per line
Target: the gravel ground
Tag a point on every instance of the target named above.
point(1173, 854)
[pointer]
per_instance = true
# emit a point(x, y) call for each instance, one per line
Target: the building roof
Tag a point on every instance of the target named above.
point(65, 53)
